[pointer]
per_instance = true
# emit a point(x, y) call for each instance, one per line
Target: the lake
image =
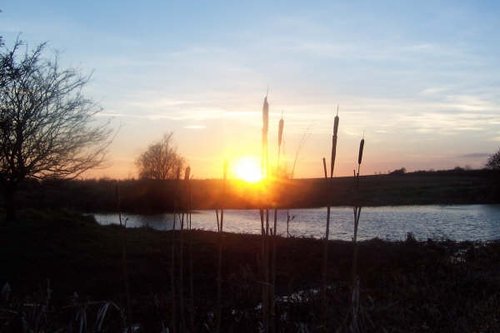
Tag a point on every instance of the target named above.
point(457, 222)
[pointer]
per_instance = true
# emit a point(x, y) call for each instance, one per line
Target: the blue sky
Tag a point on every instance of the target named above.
point(420, 79)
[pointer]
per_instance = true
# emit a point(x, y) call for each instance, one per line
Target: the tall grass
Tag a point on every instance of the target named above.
point(123, 225)
point(289, 217)
point(37, 314)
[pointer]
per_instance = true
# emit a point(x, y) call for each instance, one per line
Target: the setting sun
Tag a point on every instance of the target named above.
point(248, 169)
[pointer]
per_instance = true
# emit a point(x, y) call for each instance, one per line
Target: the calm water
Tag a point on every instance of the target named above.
point(460, 222)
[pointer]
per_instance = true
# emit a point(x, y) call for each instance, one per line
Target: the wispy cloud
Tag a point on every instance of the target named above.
point(474, 156)
point(421, 84)
point(195, 127)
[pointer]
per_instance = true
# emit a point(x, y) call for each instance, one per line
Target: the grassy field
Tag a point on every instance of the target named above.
point(59, 265)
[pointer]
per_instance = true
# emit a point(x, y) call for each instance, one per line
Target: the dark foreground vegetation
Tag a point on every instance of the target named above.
point(153, 196)
point(60, 270)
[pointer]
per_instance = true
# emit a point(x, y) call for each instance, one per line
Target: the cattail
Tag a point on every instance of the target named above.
point(272, 291)
point(265, 121)
point(324, 167)
point(219, 261)
point(336, 123)
point(187, 196)
point(265, 216)
point(265, 130)
point(265, 116)
point(328, 212)
point(360, 154)
point(354, 274)
point(334, 143)
point(280, 131)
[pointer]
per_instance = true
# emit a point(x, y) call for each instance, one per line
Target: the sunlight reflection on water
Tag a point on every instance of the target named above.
point(461, 222)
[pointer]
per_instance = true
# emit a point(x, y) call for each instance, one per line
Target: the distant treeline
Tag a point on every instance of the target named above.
point(147, 196)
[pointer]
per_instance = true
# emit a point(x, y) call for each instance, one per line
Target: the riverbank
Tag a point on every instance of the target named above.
point(65, 262)
point(148, 196)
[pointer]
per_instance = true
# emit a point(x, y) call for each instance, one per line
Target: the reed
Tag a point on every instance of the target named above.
point(187, 180)
point(355, 325)
point(281, 126)
point(123, 237)
point(334, 142)
point(264, 218)
point(173, 280)
point(265, 133)
point(333, 156)
point(220, 248)
point(289, 217)
point(183, 222)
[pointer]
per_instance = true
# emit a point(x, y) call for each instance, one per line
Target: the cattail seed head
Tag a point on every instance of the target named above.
point(280, 131)
point(334, 143)
point(265, 116)
point(360, 154)
point(336, 125)
point(187, 173)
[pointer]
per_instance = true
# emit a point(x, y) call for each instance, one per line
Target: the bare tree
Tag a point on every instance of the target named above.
point(47, 125)
point(161, 160)
point(494, 161)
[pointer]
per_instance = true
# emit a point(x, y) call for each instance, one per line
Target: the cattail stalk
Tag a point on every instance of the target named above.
point(124, 254)
point(281, 126)
point(173, 282)
point(328, 213)
point(219, 257)
point(187, 178)
point(354, 276)
point(264, 214)
point(324, 168)
point(265, 131)
point(357, 208)
point(183, 220)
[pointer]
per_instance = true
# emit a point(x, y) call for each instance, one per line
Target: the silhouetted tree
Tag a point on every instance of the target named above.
point(401, 171)
point(160, 161)
point(46, 128)
point(494, 161)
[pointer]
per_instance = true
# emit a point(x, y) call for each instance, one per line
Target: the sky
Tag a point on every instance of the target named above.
point(420, 80)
